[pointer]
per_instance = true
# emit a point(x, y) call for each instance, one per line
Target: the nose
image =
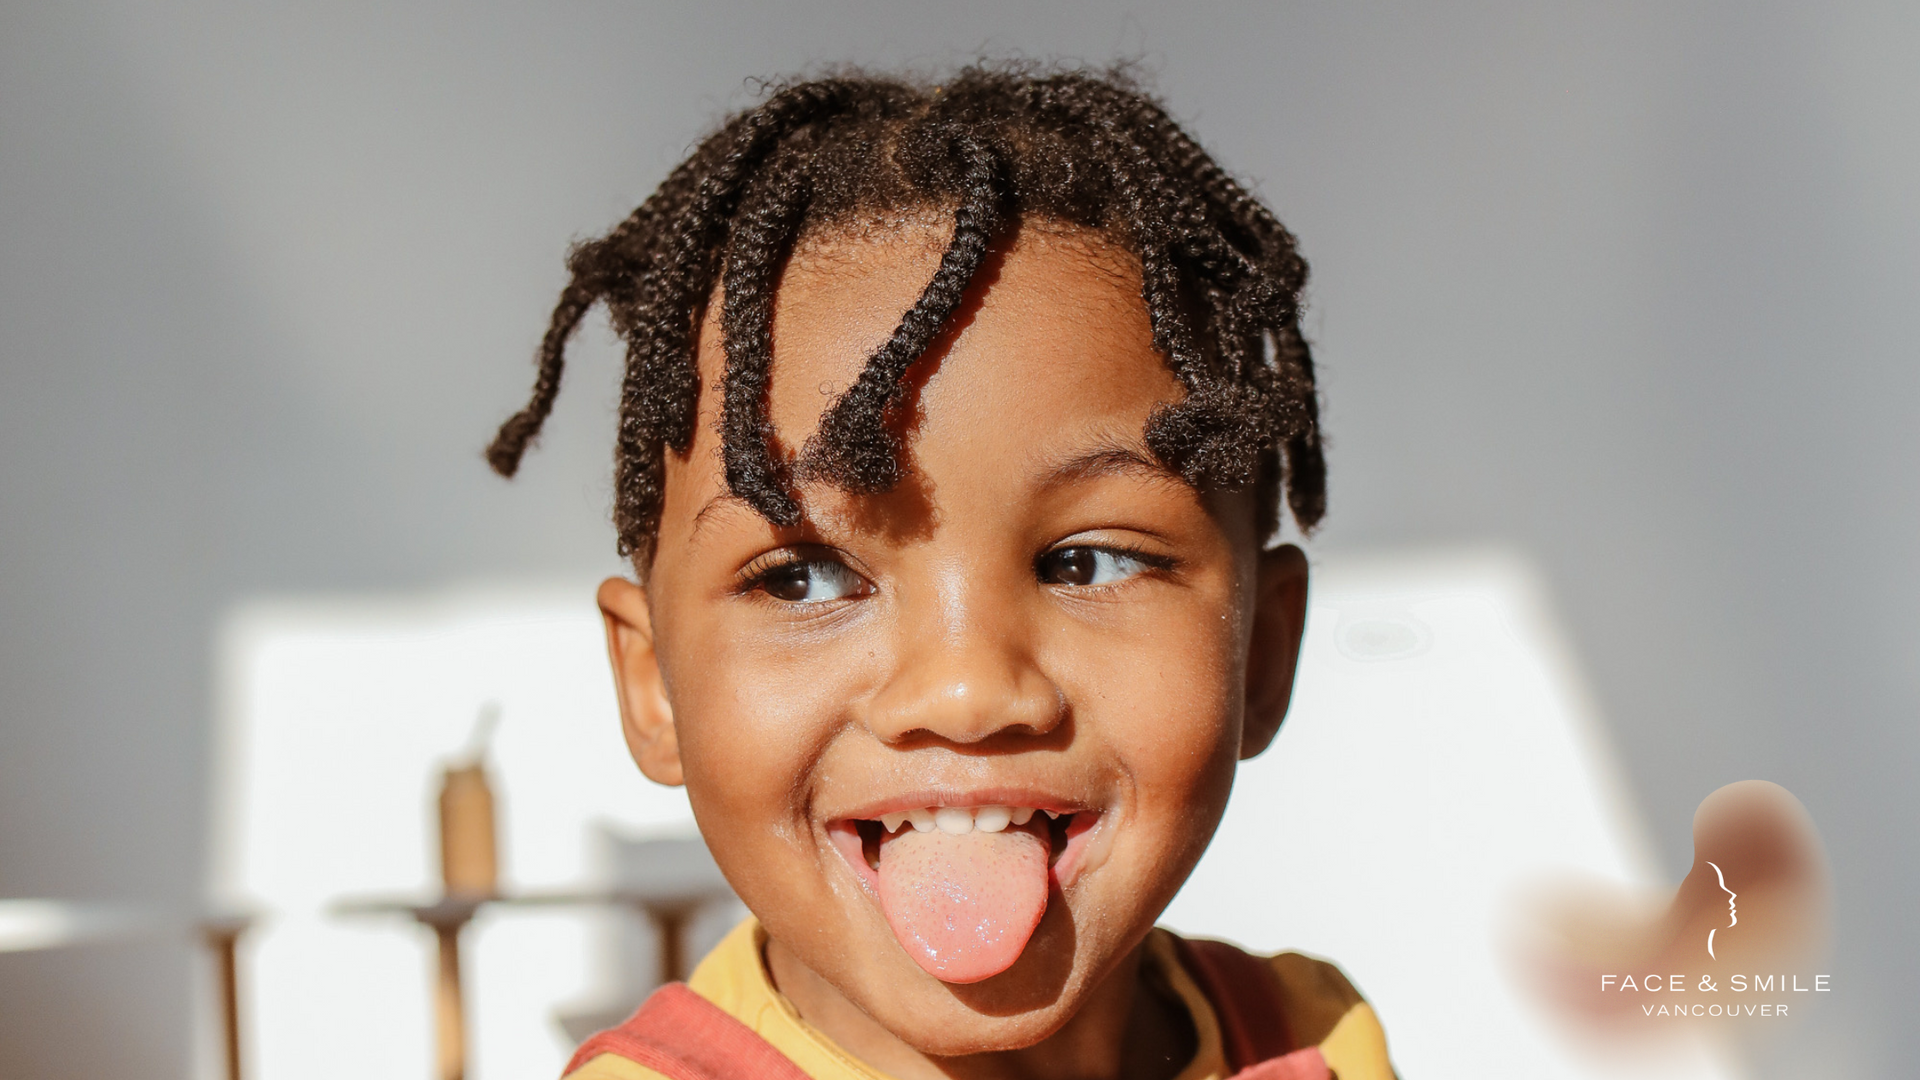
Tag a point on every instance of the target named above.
point(965, 673)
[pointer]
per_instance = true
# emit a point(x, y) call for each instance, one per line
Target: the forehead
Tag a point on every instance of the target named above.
point(1052, 350)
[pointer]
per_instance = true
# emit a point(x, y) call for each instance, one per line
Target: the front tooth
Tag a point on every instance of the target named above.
point(1053, 815)
point(953, 820)
point(891, 822)
point(922, 820)
point(992, 818)
point(1023, 815)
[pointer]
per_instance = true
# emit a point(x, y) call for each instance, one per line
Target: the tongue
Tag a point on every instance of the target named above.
point(963, 906)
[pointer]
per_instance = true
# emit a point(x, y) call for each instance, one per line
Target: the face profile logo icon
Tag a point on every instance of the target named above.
point(1733, 913)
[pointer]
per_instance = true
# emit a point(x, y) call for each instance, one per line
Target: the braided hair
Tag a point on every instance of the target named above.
point(1220, 277)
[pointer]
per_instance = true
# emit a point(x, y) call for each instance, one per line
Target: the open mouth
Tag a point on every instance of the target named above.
point(964, 887)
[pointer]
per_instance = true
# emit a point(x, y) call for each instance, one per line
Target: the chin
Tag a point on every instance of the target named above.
point(961, 1032)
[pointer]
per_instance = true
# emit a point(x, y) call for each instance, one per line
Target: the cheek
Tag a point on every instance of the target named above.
point(1167, 696)
point(751, 716)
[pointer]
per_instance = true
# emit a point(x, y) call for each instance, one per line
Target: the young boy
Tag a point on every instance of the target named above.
point(953, 438)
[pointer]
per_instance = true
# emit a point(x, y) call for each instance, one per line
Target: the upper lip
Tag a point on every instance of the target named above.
point(970, 797)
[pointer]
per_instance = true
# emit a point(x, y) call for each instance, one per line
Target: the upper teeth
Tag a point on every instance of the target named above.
point(960, 820)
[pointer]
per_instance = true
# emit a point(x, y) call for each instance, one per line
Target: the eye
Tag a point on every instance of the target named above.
point(1089, 566)
point(803, 579)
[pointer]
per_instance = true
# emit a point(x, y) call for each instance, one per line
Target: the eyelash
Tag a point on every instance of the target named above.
point(1150, 561)
point(756, 576)
point(1153, 559)
point(755, 573)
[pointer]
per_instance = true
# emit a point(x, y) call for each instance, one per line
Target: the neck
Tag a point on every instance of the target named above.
point(1128, 1029)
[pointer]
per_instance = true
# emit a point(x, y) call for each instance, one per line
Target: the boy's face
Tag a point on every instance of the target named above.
point(1039, 616)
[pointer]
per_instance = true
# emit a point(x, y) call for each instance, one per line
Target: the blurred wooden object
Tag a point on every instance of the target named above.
point(668, 881)
point(446, 919)
point(222, 935)
point(469, 856)
point(27, 924)
point(469, 848)
point(684, 904)
point(449, 1011)
point(670, 924)
point(469, 875)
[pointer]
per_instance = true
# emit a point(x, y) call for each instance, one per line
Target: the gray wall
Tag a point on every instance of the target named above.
point(1627, 286)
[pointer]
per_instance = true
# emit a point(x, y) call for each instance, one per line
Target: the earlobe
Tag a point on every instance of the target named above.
point(646, 718)
point(1279, 619)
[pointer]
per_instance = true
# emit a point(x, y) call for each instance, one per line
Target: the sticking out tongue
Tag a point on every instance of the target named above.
point(963, 906)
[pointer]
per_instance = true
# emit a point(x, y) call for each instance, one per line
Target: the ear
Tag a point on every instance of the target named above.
point(645, 716)
point(1279, 618)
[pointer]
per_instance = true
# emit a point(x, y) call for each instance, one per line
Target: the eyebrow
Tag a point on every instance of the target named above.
point(1109, 459)
point(726, 500)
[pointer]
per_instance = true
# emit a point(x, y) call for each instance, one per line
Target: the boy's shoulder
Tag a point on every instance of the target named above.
point(1257, 1007)
point(1329, 1013)
point(1315, 995)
